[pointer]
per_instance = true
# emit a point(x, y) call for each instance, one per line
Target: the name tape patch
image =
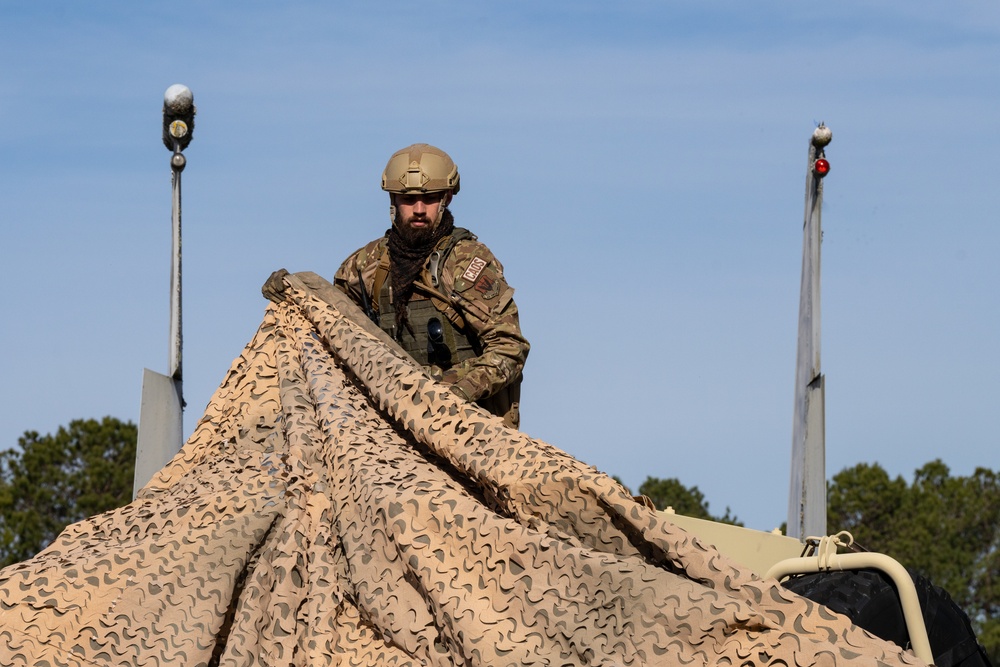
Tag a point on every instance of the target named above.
point(476, 267)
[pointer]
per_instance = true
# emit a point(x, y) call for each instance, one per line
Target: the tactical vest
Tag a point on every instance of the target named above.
point(440, 338)
point(432, 338)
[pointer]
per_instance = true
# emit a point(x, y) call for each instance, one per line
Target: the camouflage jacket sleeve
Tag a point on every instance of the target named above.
point(365, 260)
point(473, 280)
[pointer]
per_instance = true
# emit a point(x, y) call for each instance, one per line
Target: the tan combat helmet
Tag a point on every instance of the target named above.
point(420, 168)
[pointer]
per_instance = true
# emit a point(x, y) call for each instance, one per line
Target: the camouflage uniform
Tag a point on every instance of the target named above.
point(469, 290)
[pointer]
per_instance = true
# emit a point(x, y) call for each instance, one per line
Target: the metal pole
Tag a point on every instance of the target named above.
point(807, 494)
point(178, 127)
point(176, 330)
point(161, 416)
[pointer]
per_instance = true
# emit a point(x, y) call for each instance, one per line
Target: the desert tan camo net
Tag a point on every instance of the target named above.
point(335, 506)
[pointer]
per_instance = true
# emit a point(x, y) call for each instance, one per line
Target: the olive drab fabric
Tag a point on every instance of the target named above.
point(337, 506)
point(462, 284)
point(431, 339)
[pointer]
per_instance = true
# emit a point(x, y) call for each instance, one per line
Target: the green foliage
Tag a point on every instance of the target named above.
point(687, 501)
point(52, 481)
point(989, 637)
point(946, 528)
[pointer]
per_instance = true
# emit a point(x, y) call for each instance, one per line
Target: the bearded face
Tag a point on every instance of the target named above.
point(418, 215)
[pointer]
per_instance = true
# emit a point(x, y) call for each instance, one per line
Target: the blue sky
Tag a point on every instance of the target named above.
point(638, 168)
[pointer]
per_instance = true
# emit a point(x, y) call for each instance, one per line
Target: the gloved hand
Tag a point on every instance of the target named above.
point(449, 376)
point(275, 286)
point(460, 389)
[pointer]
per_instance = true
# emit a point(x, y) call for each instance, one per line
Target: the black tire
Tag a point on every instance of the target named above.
point(870, 600)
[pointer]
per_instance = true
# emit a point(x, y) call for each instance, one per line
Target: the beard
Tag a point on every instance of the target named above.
point(421, 240)
point(415, 236)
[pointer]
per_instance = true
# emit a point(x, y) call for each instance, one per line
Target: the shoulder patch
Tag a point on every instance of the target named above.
point(476, 267)
point(488, 286)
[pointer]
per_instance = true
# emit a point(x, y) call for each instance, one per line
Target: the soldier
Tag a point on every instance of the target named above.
point(436, 290)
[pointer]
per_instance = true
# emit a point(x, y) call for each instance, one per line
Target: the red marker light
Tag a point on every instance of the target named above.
point(821, 167)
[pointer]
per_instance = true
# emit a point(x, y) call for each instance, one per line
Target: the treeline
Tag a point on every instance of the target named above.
point(51, 481)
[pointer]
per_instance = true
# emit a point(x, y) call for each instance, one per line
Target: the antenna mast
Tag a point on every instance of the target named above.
point(807, 494)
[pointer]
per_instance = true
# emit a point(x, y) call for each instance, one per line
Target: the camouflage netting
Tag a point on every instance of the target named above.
point(336, 506)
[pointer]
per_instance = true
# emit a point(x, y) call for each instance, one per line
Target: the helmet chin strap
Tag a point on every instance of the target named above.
point(392, 214)
point(445, 200)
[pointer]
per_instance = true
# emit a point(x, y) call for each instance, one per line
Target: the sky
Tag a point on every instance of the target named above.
point(637, 167)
